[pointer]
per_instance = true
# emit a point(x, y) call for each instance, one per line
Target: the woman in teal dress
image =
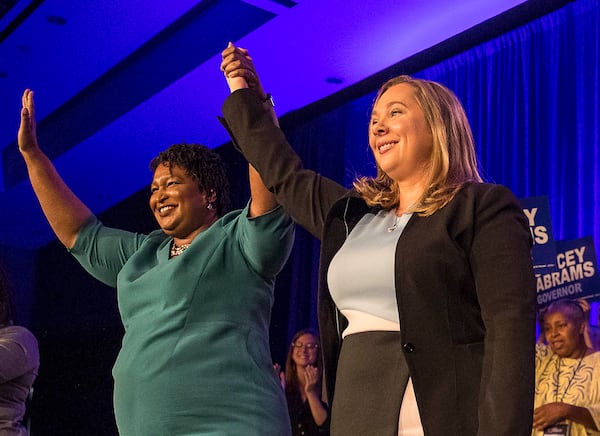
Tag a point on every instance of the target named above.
point(195, 297)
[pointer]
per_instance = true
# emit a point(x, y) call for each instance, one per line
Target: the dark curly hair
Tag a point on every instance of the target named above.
point(202, 164)
point(5, 299)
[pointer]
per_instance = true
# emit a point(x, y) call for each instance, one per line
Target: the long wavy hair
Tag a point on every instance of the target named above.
point(292, 384)
point(202, 164)
point(453, 160)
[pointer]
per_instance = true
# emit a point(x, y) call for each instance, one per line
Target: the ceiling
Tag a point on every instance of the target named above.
point(116, 81)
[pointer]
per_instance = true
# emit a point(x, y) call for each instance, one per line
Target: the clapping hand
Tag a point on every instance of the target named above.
point(311, 377)
point(280, 374)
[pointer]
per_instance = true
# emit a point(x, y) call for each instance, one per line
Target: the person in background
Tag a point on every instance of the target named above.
point(567, 391)
point(195, 296)
point(302, 383)
point(426, 301)
point(591, 332)
point(19, 364)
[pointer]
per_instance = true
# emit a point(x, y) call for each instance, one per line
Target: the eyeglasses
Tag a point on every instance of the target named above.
point(308, 346)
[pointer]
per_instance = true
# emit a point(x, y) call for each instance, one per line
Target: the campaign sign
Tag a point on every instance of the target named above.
point(543, 252)
point(574, 276)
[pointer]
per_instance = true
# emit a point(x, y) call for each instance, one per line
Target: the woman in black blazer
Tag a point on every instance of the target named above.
point(426, 286)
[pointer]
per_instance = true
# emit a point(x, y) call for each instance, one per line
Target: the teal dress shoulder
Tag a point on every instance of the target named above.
point(195, 358)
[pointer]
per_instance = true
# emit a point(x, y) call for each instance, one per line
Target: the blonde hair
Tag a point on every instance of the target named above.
point(453, 161)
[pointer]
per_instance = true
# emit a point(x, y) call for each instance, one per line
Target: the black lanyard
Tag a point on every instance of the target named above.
point(558, 365)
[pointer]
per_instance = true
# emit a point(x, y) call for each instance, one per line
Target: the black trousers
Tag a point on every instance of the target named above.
point(371, 379)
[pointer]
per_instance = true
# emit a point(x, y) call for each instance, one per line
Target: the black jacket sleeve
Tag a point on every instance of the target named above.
point(306, 195)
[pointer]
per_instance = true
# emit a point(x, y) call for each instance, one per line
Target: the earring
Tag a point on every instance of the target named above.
point(210, 206)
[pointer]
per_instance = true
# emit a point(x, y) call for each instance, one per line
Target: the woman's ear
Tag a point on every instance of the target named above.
point(211, 196)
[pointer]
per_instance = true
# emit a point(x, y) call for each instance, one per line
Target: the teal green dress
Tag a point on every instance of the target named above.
point(195, 358)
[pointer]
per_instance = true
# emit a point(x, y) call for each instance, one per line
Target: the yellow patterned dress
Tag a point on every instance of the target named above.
point(571, 381)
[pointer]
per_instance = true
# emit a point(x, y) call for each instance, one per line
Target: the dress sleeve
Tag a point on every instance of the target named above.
point(500, 259)
point(102, 251)
point(266, 241)
point(595, 412)
point(18, 353)
point(306, 195)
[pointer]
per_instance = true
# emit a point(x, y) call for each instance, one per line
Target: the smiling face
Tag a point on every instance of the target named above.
point(399, 136)
point(305, 350)
point(178, 205)
point(564, 335)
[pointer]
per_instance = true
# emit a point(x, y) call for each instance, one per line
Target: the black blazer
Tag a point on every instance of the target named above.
point(464, 284)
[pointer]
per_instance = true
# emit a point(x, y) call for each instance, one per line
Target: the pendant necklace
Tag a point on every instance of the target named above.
point(397, 218)
point(395, 225)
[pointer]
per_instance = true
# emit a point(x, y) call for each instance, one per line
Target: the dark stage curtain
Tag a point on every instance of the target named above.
point(532, 96)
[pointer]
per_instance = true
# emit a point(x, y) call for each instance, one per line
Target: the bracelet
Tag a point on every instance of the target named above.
point(269, 99)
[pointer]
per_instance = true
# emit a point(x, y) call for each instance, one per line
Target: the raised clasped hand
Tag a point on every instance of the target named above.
point(239, 69)
point(27, 137)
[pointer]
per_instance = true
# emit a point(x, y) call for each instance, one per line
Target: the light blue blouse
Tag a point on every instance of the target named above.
point(361, 274)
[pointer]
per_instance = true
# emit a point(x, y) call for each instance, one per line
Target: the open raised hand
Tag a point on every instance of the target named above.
point(27, 136)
